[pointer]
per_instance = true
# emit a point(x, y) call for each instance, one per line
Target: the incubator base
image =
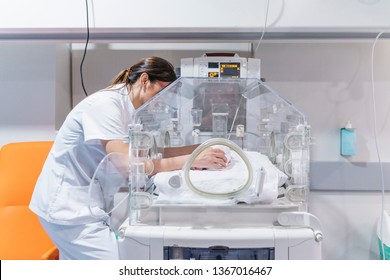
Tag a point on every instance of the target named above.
point(219, 232)
point(172, 242)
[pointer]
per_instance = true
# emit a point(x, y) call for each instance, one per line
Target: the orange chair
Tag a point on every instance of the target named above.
point(21, 234)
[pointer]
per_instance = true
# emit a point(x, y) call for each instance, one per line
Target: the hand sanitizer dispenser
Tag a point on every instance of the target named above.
point(348, 140)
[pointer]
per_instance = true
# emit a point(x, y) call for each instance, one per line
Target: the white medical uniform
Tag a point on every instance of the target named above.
point(60, 198)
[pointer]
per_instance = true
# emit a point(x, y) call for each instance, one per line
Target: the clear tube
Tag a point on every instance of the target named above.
point(201, 148)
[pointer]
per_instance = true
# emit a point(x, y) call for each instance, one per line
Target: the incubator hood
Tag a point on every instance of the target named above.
point(255, 208)
point(245, 112)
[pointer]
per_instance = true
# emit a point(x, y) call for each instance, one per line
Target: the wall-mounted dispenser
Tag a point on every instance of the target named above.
point(348, 140)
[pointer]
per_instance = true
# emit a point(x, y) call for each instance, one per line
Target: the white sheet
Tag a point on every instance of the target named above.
point(219, 181)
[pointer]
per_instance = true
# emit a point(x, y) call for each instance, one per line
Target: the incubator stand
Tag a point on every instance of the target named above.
point(263, 216)
point(221, 232)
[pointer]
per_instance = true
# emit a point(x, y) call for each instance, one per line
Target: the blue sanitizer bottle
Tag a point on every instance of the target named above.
point(348, 140)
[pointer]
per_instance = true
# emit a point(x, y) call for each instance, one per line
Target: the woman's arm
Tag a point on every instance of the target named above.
point(178, 151)
point(209, 158)
point(118, 146)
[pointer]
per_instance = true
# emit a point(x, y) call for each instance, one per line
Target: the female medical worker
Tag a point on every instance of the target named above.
point(96, 127)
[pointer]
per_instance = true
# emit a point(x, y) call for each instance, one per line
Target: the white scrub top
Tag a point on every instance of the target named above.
point(61, 192)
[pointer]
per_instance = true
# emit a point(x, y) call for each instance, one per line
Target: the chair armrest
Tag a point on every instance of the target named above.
point(51, 254)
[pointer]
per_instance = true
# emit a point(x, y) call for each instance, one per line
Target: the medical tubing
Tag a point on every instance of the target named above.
point(201, 148)
point(376, 140)
point(265, 26)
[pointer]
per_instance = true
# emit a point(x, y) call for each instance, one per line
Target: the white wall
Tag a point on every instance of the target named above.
point(330, 82)
point(284, 15)
point(34, 90)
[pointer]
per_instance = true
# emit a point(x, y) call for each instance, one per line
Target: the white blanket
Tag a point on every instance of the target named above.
point(173, 189)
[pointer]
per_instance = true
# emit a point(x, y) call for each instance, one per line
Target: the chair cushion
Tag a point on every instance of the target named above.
point(21, 235)
point(20, 165)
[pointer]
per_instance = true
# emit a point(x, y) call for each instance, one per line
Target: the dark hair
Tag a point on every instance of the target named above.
point(157, 68)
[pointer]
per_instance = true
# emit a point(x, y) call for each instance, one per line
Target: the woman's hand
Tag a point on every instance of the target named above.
point(210, 158)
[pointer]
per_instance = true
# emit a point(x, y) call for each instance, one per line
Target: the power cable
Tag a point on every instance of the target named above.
point(85, 51)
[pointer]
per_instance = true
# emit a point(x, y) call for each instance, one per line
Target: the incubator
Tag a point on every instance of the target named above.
point(255, 208)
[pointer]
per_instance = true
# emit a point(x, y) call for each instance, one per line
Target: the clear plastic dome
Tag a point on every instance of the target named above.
point(246, 112)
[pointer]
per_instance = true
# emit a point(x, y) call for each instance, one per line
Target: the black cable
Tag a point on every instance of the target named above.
point(85, 51)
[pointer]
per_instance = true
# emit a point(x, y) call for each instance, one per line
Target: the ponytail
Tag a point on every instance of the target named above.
point(120, 78)
point(157, 68)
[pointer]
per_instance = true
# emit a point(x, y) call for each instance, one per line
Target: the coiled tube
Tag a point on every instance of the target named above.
point(201, 148)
